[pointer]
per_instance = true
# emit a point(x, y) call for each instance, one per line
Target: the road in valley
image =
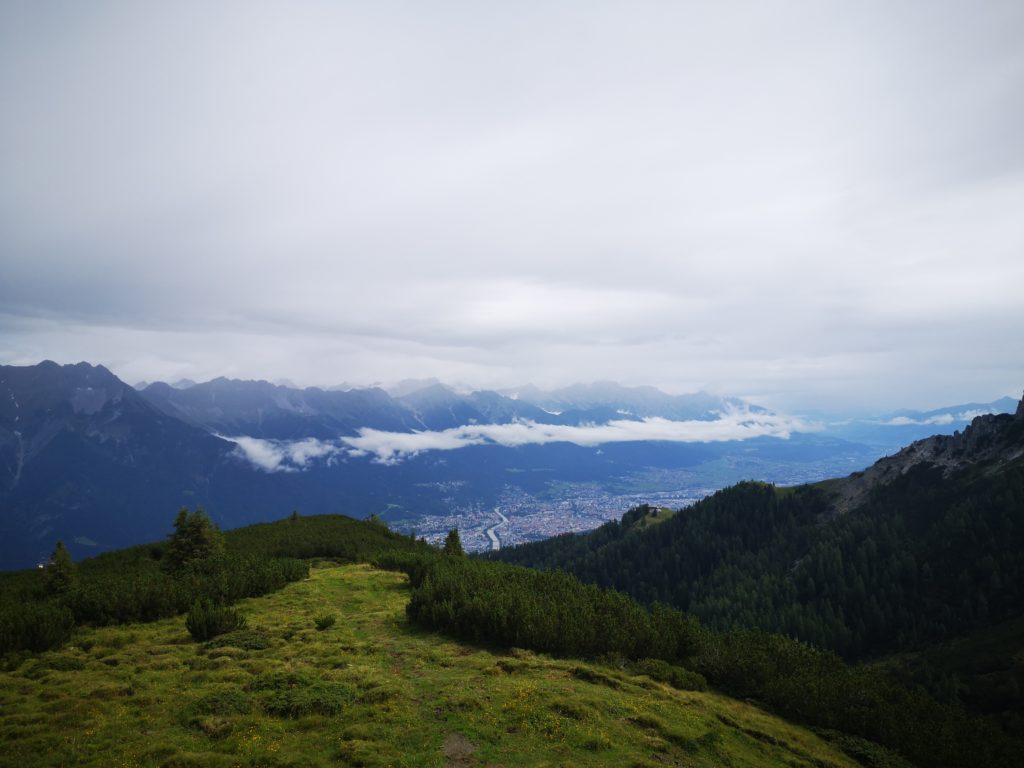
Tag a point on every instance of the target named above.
point(492, 531)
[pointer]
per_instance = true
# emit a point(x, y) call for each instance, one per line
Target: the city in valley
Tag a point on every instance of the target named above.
point(518, 516)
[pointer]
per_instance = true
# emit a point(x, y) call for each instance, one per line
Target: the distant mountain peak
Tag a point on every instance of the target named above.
point(410, 386)
point(640, 401)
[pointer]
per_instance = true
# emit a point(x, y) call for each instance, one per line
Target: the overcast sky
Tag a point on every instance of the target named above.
point(809, 204)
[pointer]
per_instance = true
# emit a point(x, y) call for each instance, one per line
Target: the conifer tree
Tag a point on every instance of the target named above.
point(60, 571)
point(195, 538)
point(452, 543)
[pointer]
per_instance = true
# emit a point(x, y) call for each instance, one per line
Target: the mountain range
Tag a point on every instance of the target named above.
point(265, 410)
point(90, 460)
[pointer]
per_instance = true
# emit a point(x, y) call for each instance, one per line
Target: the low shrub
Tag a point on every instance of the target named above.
point(243, 639)
point(63, 663)
point(35, 627)
point(324, 622)
point(207, 620)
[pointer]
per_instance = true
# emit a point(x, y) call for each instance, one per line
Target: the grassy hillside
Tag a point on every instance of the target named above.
point(138, 584)
point(370, 690)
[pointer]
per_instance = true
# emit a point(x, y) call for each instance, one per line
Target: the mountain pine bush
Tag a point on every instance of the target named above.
point(207, 620)
point(324, 622)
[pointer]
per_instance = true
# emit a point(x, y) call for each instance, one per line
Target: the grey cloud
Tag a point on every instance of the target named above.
point(391, 447)
point(939, 419)
point(760, 198)
point(282, 455)
point(394, 447)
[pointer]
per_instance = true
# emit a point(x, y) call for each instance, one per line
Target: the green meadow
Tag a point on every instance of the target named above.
point(370, 690)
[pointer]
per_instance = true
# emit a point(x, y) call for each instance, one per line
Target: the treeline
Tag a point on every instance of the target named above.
point(31, 619)
point(39, 609)
point(553, 612)
point(334, 537)
point(925, 557)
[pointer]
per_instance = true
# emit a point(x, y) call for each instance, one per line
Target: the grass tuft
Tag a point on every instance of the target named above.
point(227, 701)
point(590, 675)
point(293, 695)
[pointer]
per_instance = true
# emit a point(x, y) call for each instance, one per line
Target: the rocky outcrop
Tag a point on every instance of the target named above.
point(990, 441)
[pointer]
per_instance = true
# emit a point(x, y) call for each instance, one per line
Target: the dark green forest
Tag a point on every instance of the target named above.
point(925, 558)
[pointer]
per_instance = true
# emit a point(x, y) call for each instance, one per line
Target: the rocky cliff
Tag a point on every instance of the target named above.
point(989, 443)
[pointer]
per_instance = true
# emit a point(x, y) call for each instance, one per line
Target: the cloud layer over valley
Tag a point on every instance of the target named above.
point(282, 455)
point(941, 419)
point(392, 447)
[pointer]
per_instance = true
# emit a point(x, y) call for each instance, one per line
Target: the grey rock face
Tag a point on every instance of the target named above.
point(990, 441)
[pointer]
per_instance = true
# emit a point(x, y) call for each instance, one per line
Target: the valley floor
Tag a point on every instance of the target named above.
point(370, 690)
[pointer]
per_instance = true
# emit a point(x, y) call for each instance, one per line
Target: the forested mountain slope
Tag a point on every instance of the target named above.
point(83, 455)
point(923, 545)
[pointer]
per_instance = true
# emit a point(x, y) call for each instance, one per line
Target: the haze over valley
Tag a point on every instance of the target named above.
point(425, 458)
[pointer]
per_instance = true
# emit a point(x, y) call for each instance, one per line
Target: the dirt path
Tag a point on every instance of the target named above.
point(458, 751)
